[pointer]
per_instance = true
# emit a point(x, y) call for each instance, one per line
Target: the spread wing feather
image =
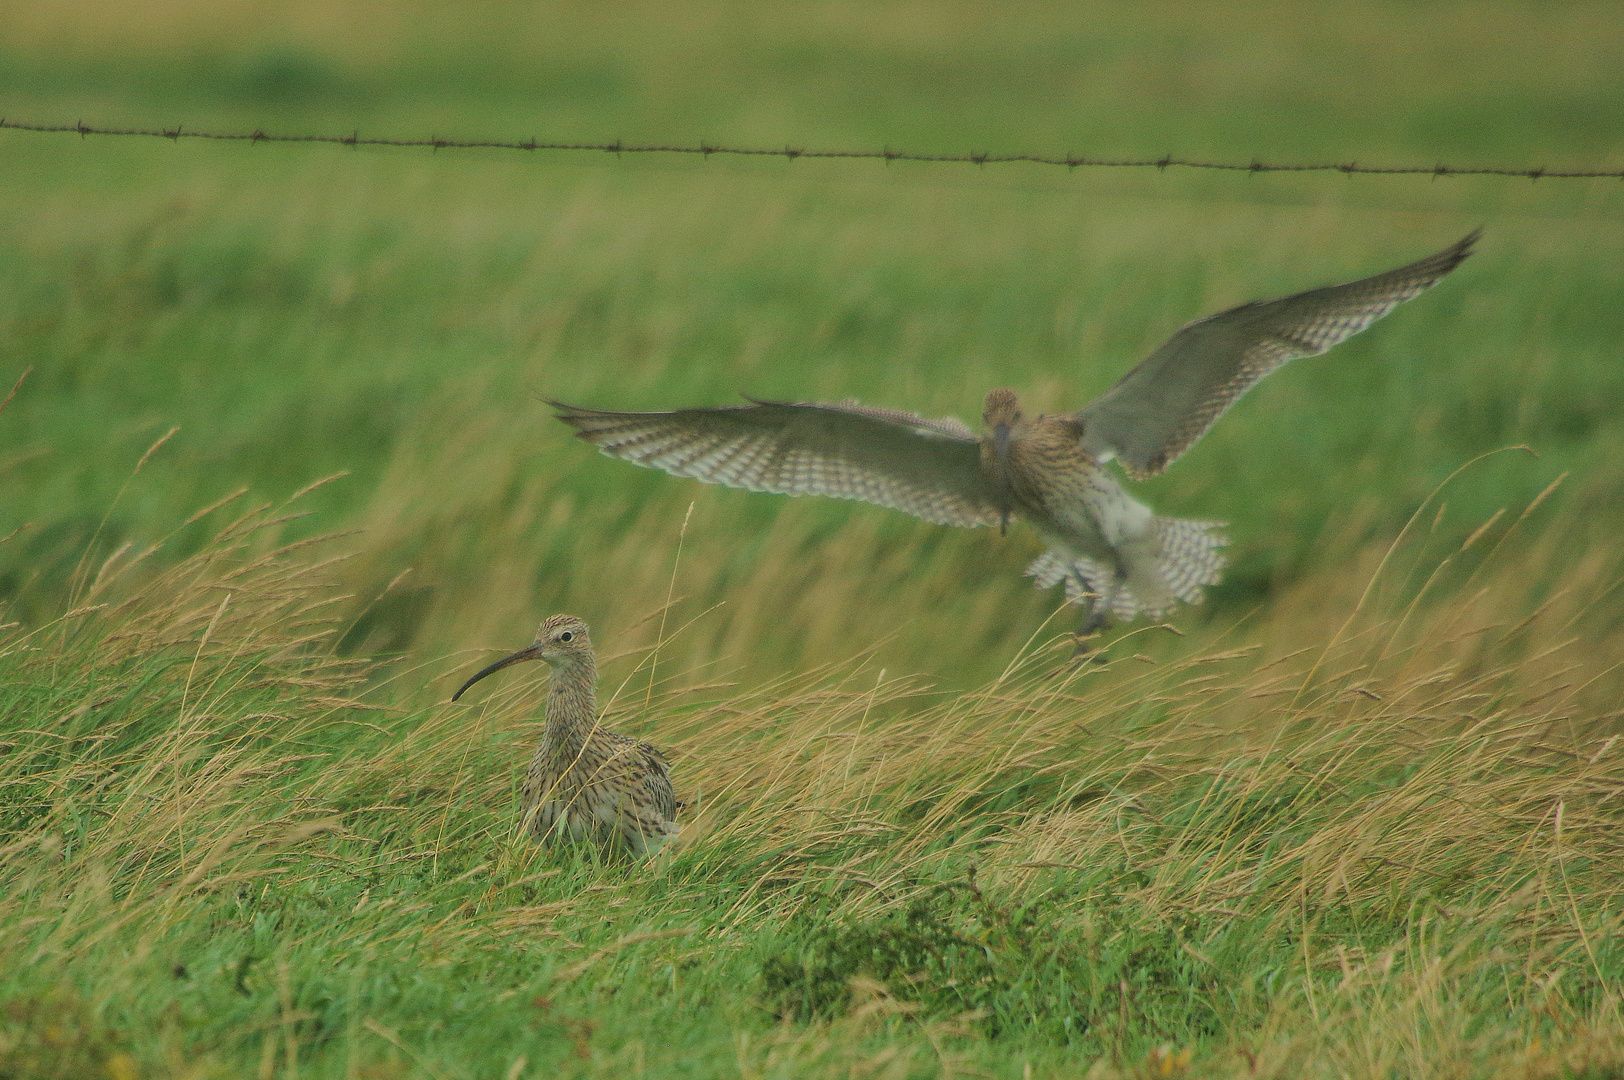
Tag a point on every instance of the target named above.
point(1163, 406)
point(928, 468)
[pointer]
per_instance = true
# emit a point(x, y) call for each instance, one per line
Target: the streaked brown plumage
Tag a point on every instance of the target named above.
point(1108, 549)
point(586, 780)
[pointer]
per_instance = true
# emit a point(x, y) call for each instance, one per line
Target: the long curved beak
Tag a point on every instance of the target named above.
point(529, 652)
point(1000, 446)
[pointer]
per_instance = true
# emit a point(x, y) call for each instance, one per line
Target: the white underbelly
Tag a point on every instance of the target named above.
point(1098, 524)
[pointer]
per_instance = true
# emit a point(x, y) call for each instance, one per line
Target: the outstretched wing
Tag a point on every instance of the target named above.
point(1165, 404)
point(928, 468)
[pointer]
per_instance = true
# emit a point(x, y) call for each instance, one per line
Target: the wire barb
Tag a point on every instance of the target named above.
point(888, 155)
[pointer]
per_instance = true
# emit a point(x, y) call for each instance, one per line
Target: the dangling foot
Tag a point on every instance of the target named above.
point(1093, 622)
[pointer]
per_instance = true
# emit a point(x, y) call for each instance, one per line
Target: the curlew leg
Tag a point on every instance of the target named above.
point(1095, 619)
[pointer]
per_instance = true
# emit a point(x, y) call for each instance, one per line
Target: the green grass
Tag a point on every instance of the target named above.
point(1393, 853)
point(404, 326)
point(914, 853)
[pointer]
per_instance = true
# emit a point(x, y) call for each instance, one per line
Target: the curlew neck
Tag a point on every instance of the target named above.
point(1002, 415)
point(572, 704)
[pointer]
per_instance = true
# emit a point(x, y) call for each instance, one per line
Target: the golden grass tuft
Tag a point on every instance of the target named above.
point(1367, 763)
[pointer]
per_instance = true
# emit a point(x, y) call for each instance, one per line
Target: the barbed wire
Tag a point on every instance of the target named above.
point(1070, 161)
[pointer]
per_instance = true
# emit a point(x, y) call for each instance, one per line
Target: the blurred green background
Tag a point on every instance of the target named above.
point(399, 315)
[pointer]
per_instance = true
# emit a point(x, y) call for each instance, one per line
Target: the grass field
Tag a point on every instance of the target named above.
point(1359, 820)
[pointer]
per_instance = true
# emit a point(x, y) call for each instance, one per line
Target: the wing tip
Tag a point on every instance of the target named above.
point(1456, 253)
point(1466, 244)
point(588, 424)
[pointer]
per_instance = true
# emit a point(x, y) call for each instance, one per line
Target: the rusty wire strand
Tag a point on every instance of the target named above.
point(1070, 161)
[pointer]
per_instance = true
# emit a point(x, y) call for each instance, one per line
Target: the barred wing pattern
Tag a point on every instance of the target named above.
point(928, 468)
point(1163, 406)
point(659, 781)
point(651, 773)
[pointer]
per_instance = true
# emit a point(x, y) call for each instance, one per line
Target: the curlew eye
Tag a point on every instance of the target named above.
point(568, 635)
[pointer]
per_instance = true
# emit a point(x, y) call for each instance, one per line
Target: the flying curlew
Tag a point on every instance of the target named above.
point(586, 780)
point(1113, 555)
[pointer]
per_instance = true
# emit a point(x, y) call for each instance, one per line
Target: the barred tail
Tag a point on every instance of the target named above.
point(1151, 574)
point(1189, 555)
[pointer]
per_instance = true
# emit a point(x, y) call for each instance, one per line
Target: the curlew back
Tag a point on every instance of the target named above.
point(1164, 405)
point(928, 468)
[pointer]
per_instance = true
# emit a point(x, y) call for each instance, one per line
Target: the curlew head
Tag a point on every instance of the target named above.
point(562, 640)
point(1001, 408)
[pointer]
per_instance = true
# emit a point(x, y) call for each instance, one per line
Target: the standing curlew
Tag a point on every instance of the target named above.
point(585, 779)
point(1111, 552)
